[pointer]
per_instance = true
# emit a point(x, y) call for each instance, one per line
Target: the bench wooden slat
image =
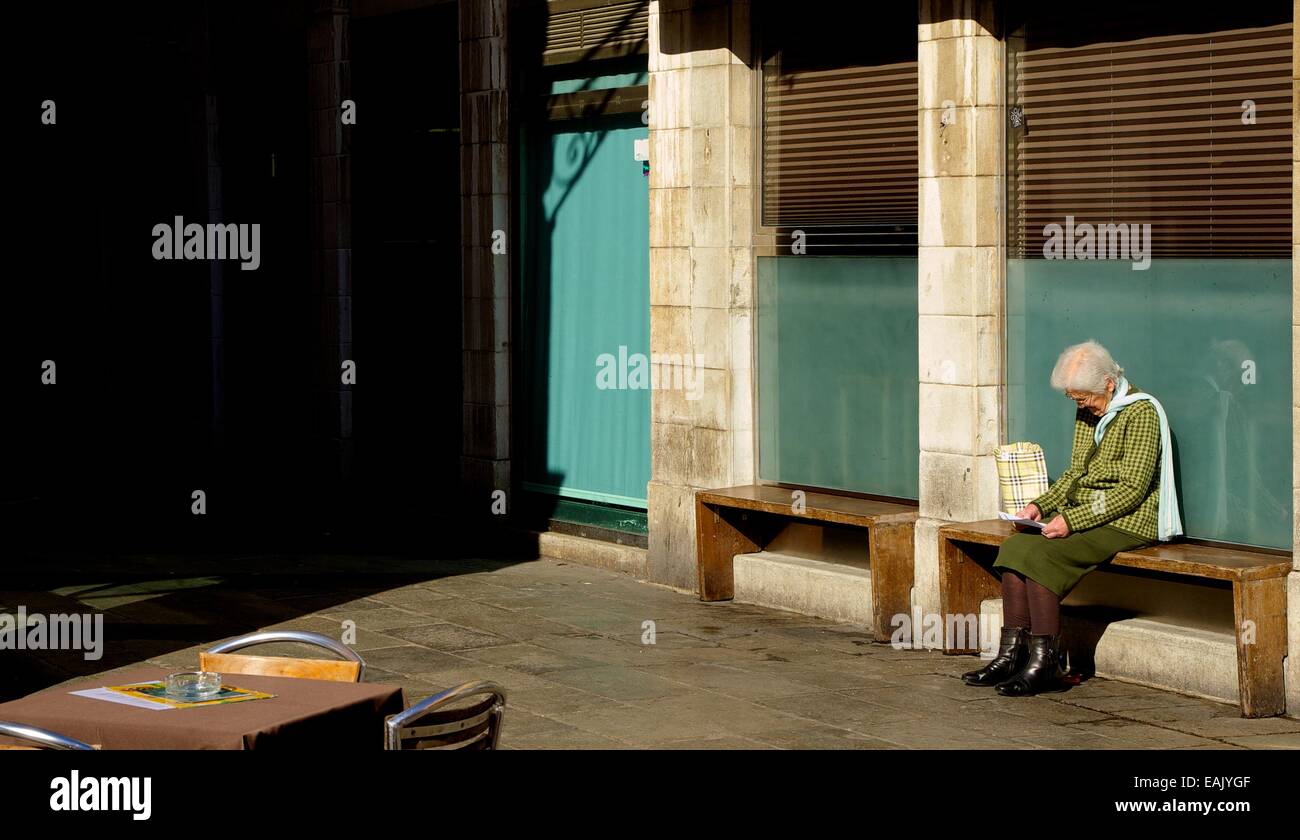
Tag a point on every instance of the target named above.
point(819, 507)
point(1258, 595)
point(1206, 561)
point(1176, 558)
point(724, 528)
point(984, 532)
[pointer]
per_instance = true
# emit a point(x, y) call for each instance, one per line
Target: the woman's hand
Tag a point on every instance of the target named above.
point(1056, 528)
point(1029, 511)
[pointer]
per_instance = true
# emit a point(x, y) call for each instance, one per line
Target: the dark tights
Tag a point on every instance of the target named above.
point(1027, 603)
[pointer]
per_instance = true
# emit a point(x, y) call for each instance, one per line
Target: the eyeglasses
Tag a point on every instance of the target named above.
point(1081, 398)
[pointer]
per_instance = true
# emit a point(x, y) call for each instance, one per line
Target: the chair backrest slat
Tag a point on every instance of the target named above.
point(223, 659)
point(444, 728)
point(432, 724)
point(468, 743)
point(281, 666)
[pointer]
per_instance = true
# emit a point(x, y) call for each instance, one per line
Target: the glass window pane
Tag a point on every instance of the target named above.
point(837, 367)
point(1168, 139)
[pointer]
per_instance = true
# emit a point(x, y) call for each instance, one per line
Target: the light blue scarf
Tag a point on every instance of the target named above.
point(1171, 524)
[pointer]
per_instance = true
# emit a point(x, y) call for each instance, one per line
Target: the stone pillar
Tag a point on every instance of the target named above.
point(701, 264)
point(329, 83)
point(961, 267)
point(1293, 580)
point(485, 219)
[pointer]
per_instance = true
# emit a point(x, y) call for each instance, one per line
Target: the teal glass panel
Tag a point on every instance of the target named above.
point(586, 275)
point(615, 80)
point(837, 368)
point(1211, 339)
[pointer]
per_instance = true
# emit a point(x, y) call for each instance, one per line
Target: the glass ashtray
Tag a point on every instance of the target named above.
point(193, 685)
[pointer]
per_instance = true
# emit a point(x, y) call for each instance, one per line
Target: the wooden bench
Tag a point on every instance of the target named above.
point(1258, 595)
point(742, 520)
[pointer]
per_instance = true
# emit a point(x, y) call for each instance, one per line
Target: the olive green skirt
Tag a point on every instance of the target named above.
point(1059, 564)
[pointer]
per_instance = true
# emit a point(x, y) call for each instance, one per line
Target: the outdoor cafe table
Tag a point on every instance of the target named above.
point(303, 715)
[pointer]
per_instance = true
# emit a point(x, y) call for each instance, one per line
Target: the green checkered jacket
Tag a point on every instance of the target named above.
point(1114, 483)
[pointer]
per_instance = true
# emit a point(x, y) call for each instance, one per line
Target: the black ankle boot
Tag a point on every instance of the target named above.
point(1012, 653)
point(1042, 671)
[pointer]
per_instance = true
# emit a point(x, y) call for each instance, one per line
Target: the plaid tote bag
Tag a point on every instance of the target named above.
point(1022, 474)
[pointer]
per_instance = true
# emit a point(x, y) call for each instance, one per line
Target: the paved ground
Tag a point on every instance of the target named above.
point(567, 643)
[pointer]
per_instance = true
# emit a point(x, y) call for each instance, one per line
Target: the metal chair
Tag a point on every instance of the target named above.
point(429, 725)
point(42, 738)
point(223, 659)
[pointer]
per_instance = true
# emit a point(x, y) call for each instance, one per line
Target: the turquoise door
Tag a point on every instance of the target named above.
point(586, 276)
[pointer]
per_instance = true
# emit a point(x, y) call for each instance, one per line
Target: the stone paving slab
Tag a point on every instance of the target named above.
point(730, 680)
point(725, 743)
point(529, 658)
point(568, 644)
point(842, 711)
point(384, 619)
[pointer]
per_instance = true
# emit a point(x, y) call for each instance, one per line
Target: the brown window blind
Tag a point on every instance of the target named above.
point(583, 30)
point(839, 126)
point(839, 146)
point(1147, 128)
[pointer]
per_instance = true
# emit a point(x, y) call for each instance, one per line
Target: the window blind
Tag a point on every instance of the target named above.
point(1187, 132)
point(578, 30)
point(839, 128)
point(839, 146)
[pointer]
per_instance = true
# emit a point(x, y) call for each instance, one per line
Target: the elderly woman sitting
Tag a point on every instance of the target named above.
point(1117, 495)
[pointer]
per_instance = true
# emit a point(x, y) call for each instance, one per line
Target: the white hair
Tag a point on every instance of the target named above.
point(1084, 368)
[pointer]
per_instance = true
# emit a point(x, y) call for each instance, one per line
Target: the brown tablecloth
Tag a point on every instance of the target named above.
point(304, 715)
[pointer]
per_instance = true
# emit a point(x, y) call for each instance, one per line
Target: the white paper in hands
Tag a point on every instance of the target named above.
point(1029, 523)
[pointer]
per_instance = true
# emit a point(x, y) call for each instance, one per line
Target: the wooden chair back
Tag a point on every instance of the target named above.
point(224, 660)
point(281, 666)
